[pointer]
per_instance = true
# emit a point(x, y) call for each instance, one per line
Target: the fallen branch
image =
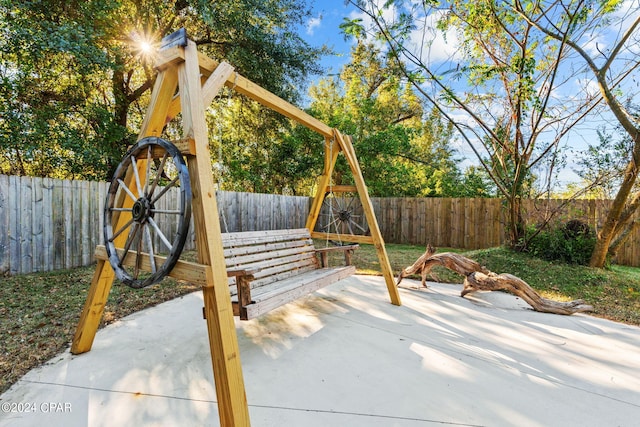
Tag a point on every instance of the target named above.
point(478, 278)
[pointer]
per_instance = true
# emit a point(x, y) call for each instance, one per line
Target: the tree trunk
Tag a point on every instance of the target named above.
point(516, 225)
point(478, 278)
point(608, 232)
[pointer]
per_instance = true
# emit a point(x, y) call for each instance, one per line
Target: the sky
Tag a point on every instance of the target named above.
point(323, 28)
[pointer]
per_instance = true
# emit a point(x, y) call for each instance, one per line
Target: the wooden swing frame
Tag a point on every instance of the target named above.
point(198, 79)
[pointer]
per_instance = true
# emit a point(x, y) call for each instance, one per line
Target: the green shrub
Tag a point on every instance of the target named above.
point(572, 243)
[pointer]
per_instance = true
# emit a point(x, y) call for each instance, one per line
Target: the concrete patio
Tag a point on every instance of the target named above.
point(344, 356)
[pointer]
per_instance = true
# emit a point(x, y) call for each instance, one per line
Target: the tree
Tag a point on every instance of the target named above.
point(612, 63)
point(48, 69)
point(253, 149)
point(75, 75)
point(403, 149)
point(604, 164)
point(476, 183)
point(498, 84)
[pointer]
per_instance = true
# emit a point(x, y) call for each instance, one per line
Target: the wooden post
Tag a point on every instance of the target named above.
point(93, 308)
point(376, 235)
point(225, 354)
point(330, 156)
point(343, 144)
point(232, 403)
point(104, 275)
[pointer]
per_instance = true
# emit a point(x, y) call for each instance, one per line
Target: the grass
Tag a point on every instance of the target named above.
point(39, 312)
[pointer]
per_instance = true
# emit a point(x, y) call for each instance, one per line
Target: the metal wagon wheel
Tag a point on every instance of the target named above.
point(133, 214)
point(342, 214)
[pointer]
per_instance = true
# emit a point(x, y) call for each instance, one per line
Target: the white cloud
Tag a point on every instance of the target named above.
point(629, 12)
point(588, 86)
point(599, 45)
point(430, 44)
point(425, 42)
point(313, 24)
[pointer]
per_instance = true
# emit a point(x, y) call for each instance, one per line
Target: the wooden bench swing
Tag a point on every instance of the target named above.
point(268, 269)
point(245, 274)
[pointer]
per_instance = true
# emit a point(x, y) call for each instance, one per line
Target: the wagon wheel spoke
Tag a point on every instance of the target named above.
point(124, 227)
point(136, 270)
point(360, 227)
point(152, 259)
point(164, 239)
point(166, 211)
point(351, 204)
point(165, 189)
point(333, 223)
point(125, 187)
point(130, 240)
point(148, 174)
point(348, 223)
point(136, 175)
point(338, 203)
point(158, 175)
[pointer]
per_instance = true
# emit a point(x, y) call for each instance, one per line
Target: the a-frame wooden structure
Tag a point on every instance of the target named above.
point(187, 82)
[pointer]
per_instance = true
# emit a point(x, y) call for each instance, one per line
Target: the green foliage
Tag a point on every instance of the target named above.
point(475, 183)
point(572, 243)
point(352, 28)
point(403, 150)
point(74, 79)
point(254, 150)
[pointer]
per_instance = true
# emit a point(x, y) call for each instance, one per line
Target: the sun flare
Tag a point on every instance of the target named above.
point(144, 45)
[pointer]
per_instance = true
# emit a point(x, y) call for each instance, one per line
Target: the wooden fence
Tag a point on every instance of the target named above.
point(48, 224)
point(480, 223)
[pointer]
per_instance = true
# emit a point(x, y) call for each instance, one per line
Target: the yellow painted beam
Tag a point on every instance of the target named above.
point(184, 270)
point(252, 90)
point(161, 97)
point(93, 308)
point(342, 188)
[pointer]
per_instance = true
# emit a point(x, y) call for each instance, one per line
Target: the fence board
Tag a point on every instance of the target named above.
point(25, 225)
point(85, 223)
point(47, 224)
point(4, 225)
point(14, 226)
point(73, 225)
point(57, 217)
point(37, 227)
point(470, 220)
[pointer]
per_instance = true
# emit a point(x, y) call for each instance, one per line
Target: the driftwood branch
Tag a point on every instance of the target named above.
point(478, 278)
